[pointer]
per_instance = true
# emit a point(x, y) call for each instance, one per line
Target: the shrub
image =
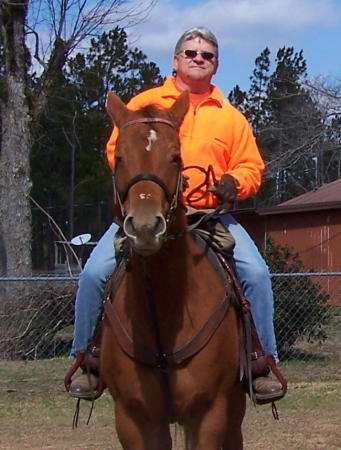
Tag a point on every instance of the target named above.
point(37, 324)
point(300, 303)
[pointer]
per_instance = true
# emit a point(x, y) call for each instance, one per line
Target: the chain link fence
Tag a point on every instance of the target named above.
point(37, 323)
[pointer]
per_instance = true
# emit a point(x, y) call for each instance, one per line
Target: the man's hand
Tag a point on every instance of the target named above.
point(226, 191)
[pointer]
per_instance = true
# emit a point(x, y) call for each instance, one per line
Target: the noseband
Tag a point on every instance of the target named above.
point(171, 198)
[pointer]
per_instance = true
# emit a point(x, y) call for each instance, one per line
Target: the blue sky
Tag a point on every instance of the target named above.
point(244, 28)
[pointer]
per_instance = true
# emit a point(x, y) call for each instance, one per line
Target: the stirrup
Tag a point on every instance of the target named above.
point(74, 367)
point(272, 367)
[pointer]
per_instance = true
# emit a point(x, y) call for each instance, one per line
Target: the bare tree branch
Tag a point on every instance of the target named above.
point(72, 22)
point(36, 54)
point(62, 236)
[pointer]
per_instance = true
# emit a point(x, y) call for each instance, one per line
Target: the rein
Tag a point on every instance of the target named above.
point(209, 181)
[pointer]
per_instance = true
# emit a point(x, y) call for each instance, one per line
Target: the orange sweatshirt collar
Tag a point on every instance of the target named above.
point(174, 92)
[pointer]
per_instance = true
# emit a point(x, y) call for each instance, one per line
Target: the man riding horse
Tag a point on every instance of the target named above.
point(213, 133)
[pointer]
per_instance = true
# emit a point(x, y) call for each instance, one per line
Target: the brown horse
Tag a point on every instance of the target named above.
point(170, 348)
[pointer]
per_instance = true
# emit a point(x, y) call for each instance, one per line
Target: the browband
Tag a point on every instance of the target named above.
point(147, 120)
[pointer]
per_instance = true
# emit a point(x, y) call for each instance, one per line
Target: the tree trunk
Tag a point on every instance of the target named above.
point(15, 184)
point(15, 215)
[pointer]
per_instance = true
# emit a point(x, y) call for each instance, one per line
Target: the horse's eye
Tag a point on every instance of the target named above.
point(118, 160)
point(176, 159)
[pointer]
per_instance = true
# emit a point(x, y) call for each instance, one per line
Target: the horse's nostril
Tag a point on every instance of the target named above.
point(160, 226)
point(146, 231)
point(128, 226)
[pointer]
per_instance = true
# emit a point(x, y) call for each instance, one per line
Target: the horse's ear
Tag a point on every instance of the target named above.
point(179, 108)
point(116, 109)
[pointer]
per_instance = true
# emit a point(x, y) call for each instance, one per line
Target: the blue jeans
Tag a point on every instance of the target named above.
point(254, 277)
point(250, 266)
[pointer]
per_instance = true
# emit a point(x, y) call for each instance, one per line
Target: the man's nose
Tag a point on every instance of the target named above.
point(199, 58)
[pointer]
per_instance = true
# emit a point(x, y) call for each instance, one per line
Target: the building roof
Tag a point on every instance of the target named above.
point(327, 196)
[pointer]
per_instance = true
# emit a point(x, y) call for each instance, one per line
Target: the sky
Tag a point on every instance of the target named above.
point(243, 29)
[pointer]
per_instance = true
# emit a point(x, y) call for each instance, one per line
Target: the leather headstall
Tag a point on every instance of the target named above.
point(147, 120)
point(172, 199)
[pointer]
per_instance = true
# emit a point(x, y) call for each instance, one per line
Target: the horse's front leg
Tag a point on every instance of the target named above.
point(136, 430)
point(205, 430)
point(235, 413)
point(220, 426)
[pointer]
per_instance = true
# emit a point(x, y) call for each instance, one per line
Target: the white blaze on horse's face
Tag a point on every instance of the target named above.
point(152, 137)
point(143, 196)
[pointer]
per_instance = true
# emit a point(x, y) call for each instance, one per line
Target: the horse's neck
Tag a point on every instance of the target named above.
point(179, 263)
point(180, 283)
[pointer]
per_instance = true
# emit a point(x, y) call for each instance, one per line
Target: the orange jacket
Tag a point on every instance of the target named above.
point(213, 132)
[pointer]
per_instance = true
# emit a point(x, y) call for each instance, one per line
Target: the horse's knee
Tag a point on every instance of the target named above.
point(192, 408)
point(141, 411)
point(141, 426)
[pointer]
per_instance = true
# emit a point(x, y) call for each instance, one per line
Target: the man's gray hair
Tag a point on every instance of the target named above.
point(193, 33)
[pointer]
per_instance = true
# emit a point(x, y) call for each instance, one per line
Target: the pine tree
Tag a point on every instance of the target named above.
point(290, 141)
point(68, 161)
point(287, 124)
point(257, 109)
point(238, 98)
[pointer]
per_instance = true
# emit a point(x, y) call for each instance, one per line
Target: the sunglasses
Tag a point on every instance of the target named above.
point(207, 56)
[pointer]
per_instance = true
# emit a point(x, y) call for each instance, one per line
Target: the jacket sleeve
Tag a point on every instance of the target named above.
point(246, 165)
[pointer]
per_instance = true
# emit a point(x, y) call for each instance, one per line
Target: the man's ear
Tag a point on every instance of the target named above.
point(216, 67)
point(175, 63)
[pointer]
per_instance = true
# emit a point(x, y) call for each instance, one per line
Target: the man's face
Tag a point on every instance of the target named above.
point(193, 63)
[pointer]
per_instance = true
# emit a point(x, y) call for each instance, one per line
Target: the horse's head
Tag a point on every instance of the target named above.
point(147, 174)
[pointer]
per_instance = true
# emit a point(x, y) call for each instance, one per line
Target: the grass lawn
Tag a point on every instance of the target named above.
point(36, 413)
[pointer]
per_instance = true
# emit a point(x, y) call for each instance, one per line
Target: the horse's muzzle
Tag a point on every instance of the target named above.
point(146, 236)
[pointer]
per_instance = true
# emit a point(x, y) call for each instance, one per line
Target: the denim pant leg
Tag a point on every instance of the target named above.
point(91, 286)
point(255, 279)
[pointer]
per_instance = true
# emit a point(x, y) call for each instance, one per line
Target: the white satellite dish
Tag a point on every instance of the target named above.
point(81, 239)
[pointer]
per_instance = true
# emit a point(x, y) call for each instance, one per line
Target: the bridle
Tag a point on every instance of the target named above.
point(172, 199)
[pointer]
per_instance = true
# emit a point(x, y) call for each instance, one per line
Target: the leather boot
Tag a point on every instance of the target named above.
point(85, 386)
point(88, 385)
point(266, 389)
